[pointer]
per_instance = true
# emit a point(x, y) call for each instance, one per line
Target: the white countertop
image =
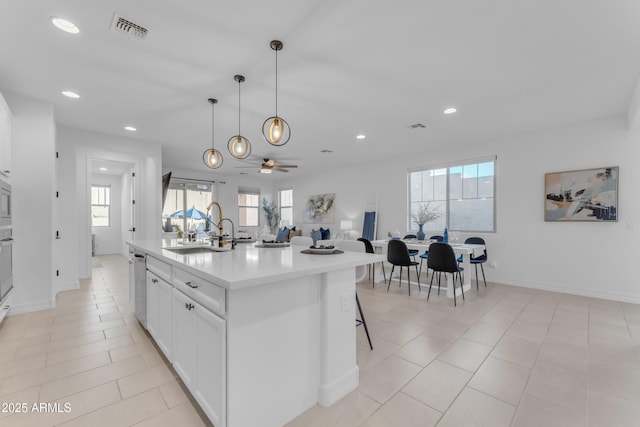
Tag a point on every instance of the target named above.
point(249, 266)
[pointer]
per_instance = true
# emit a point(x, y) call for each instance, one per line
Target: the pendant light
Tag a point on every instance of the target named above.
point(212, 157)
point(275, 129)
point(238, 145)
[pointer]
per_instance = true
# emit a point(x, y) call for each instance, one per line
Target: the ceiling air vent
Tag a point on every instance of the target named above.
point(417, 126)
point(325, 151)
point(127, 27)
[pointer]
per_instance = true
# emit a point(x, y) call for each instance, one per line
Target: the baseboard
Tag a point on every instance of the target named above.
point(331, 393)
point(67, 286)
point(31, 306)
point(566, 289)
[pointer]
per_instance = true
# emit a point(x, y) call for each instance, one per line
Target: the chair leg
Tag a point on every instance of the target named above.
point(461, 285)
point(430, 283)
point(419, 288)
point(383, 273)
point(389, 285)
point(453, 279)
point(485, 280)
point(362, 321)
point(409, 279)
point(399, 281)
point(477, 277)
point(439, 275)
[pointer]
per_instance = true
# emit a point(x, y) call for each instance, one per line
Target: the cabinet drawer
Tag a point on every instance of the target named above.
point(201, 291)
point(160, 268)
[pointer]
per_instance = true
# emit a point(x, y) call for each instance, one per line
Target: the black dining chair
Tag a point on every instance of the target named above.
point(412, 252)
point(397, 254)
point(478, 260)
point(425, 255)
point(372, 271)
point(442, 259)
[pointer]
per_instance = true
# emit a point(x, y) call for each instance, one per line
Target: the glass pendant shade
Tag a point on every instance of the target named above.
point(212, 157)
point(275, 129)
point(238, 145)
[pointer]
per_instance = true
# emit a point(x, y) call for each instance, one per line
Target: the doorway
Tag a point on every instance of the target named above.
point(112, 210)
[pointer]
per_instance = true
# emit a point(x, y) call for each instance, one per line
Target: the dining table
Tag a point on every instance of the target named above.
point(466, 250)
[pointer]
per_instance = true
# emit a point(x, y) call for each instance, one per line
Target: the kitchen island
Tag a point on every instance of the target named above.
point(259, 335)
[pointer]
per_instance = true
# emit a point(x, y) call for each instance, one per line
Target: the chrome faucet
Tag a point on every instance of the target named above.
point(233, 232)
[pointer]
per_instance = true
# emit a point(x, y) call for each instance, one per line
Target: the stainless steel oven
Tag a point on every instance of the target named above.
point(6, 262)
point(5, 204)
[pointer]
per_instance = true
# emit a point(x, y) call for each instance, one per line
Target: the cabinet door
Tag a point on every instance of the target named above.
point(184, 336)
point(211, 380)
point(165, 318)
point(152, 305)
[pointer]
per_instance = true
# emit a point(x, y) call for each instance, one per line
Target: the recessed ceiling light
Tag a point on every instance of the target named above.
point(361, 136)
point(70, 94)
point(64, 25)
point(130, 128)
point(103, 169)
point(450, 110)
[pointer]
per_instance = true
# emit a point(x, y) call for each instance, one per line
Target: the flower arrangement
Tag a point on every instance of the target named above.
point(424, 214)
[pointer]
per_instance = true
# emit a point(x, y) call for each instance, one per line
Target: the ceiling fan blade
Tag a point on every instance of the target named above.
point(286, 166)
point(280, 170)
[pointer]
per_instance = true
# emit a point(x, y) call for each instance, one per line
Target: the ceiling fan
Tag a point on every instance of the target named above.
point(270, 165)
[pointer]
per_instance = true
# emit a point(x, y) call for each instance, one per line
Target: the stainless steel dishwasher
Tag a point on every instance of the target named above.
point(138, 286)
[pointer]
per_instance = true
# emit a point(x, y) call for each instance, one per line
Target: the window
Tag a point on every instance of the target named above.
point(463, 193)
point(192, 197)
point(285, 201)
point(100, 205)
point(248, 209)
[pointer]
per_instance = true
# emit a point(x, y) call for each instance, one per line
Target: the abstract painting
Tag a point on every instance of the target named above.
point(582, 195)
point(320, 209)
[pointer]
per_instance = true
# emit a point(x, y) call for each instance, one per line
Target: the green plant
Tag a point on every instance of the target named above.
point(271, 214)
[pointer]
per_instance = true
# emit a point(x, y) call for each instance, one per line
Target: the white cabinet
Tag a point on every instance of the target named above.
point(200, 354)
point(5, 138)
point(159, 312)
point(184, 354)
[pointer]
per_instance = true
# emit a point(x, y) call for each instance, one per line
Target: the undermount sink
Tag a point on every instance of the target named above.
point(186, 250)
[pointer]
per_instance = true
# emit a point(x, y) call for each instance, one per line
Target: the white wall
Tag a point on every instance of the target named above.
point(226, 192)
point(594, 259)
point(33, 157)
point(78, 148)
point(109, 239)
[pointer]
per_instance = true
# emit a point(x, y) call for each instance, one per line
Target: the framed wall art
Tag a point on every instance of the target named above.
point(582, 195)
point(320, 209)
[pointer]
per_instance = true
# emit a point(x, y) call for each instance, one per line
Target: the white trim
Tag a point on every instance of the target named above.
point(32, 306)
point(331, 393)
point(67, 286)
point(445, 165)
point(568, 289)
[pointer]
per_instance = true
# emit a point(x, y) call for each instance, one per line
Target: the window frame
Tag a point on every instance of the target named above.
point(256, 207)
point(106, 205)
point(448, 166)
point(281, 206)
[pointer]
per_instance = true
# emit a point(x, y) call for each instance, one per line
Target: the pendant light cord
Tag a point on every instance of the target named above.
point(239, 107)
point(213, 135)
point(276, 82)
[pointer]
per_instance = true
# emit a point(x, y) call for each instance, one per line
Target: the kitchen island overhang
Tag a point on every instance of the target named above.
point(290, 326)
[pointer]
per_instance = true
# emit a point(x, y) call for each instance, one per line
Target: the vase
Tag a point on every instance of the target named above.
point(420, 232)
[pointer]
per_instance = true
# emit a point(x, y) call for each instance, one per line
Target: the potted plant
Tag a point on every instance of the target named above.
point(424, 215)
point(271, 214)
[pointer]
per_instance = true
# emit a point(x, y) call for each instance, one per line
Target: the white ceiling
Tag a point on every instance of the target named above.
point(348, 67)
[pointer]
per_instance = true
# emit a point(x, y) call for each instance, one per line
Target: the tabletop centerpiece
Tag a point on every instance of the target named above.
point(424, 215)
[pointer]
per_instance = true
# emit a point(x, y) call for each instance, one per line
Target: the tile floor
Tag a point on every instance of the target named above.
point(90, 353)
point(508, 356)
